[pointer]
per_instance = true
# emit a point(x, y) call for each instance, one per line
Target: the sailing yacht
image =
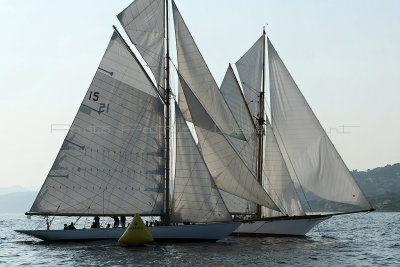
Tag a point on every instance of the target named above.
point(289, 152)
point(116, 158)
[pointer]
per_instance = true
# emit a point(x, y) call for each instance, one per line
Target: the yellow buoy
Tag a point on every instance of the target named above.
point(136, 233)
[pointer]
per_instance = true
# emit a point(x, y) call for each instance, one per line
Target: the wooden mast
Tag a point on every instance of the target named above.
point(261, 122)
point(167, 122)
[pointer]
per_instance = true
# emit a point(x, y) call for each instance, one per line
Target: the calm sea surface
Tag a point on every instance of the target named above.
point(352, 240)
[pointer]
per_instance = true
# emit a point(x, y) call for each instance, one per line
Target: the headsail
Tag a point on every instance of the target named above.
point(277, 180)
point(249, 67)
point(247, 149)
point(194, 70)
point(229, 171)
point(143, 21)
point(196, 197)
point(315, 161)
point(237, 205)
point(111, 161)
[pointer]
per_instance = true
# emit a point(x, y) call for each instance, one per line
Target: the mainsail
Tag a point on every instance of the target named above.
point(111, 161)
point(250, 71)
point(143, 21)
point(315, 162)
point(196, 197)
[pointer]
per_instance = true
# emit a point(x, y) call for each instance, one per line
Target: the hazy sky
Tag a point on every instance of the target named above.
point(343, 54)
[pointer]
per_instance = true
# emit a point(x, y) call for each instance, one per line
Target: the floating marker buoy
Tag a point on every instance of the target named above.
point(136, 233)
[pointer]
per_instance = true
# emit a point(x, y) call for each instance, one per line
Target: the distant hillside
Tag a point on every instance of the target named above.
point(17, 202)
point(381, 186)
point(380, 180)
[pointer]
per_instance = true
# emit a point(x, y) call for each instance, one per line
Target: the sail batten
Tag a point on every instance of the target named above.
point(314, 161)
point(111, 161)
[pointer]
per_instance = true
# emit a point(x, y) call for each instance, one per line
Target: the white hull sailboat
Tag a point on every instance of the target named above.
point(286, 226)
point(288, 150)
point(180, 233)
point(130, 150)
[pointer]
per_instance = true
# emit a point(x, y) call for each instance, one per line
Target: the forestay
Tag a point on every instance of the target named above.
point(277, 180)
point(143, 21)
point(249, 67)
point(111, 161)
point(315, 161)
point(194, 70)
point(229, 171)
point(247, 149)
point(196, 197)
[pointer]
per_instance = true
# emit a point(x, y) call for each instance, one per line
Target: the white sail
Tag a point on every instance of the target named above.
point(194, 70)
point(247, 149)
point(249, 67)
point(111, 161)
point(229, 171)
point(315, 161)
point(196, 198)
point(237, 205)
point(277, 180)
point(143, 21)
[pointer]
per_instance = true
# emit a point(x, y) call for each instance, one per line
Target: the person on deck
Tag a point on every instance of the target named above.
point(116, 221)
point(71, 226)
point(65, 226)
point(123, 221)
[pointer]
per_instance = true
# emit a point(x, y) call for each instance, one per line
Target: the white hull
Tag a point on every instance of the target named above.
point(282, 227)
point(180, 233)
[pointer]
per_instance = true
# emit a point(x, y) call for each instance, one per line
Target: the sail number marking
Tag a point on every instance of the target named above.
point(103, 107)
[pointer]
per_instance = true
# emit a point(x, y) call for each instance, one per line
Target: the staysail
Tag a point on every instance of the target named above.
point(249, 67)
point(277, 180)
point(196, 198)
point(229, 171)
point(143, 21)
point(233, 96)
point(111, 161)
point(194, 70)
point(315, 161)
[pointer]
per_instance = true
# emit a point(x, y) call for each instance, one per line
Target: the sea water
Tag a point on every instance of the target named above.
point(371, 239)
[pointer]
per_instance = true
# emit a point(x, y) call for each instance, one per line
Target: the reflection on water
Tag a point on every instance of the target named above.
point(351, 240)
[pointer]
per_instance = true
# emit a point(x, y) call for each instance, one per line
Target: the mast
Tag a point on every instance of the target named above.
point(261, 122)
point(167, 123)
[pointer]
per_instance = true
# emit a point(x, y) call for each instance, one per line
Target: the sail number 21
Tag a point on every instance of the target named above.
point(95, 97)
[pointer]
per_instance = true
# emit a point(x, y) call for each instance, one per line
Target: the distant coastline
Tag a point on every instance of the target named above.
point(381, 185)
